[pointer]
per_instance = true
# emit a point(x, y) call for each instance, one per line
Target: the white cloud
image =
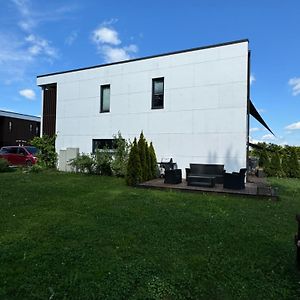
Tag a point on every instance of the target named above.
point(293, 126)
point(268, 136)
point(40, 46)
point(252, 79)
point(71, 38)
point(255, 129)
point(108, 43)
point(295, 84)
point(28, 94)
point(106, 35)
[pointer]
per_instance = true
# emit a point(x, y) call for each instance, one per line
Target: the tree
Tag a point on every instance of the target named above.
point(263, 159)
point(153, 162)
point(142, 145)
point(134, 169)
point(294, 163)
point(274, 168)
point(285, 164)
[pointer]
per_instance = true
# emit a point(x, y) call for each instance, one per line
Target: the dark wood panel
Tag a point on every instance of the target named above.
point(49, 110)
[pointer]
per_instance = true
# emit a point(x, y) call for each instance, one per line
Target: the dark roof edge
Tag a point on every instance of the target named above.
point(148, 57)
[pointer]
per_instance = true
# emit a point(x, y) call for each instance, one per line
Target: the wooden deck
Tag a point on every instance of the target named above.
point(255, 187)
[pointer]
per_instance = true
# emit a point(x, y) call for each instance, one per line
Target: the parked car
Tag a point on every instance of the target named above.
point(19, 155)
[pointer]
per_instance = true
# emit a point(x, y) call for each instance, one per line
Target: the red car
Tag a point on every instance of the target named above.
point(19, 155)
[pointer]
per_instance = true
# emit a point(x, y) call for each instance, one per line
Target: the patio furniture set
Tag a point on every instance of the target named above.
point(204, 175)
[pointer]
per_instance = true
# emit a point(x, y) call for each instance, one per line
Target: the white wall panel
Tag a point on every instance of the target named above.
point(204, 119)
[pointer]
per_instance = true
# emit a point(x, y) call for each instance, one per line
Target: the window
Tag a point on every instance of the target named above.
point(10, 126)
point(105, 98)
point(36, 130)
point(22, 151)
point(158, 93)
point(30, 127)
point(100, 144)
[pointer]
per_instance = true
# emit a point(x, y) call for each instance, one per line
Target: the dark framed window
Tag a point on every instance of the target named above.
point(100, 144)
point(30, 127)
point(105, 98)
point(158, 93)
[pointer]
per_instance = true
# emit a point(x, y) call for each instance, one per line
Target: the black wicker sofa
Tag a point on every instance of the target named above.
point(204, 174)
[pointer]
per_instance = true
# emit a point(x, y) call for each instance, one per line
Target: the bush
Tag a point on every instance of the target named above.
point(274, 167)
point(134, 168)
point(82, 163)
point(120, 157)
point(3, 165)
point(293, 164)
point(47, 156)
point(263, 159)
point(102, 161)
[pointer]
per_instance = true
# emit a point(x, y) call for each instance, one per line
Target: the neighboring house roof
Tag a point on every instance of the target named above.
point(11, 114)
point(148, 57)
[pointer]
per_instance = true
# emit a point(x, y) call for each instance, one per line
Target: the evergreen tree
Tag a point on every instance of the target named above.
point(142, 152)
point(134, 170)
point(153, 161)
point(148, 162)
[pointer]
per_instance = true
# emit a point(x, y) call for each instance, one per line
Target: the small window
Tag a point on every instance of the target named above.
point(158, 93)
point(105, 98)
point(100, 144)
point(30, 127)
point(10, 126)
point(36, 130)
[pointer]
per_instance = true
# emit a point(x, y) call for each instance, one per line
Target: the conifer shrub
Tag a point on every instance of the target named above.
point(134, 167)
point(153, 162)
point(142, 145)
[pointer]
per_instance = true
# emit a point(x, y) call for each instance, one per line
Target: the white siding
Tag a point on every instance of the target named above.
point(204, 119)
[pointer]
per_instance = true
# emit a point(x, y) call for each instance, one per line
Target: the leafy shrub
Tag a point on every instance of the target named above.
point(36, 168)
point(293, 164)
point(120, 156)
point(82, 163)
point(274, 167)
point(263, 159)
point(47, 156)
point(102, 161)
point(3, 165)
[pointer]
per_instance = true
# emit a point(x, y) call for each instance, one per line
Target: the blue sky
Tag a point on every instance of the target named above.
point(38, 37)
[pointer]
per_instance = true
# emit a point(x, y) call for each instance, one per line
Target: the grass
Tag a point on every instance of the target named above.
point(68, 236)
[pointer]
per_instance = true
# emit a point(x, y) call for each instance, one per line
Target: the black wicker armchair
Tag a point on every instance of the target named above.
point(235, 180)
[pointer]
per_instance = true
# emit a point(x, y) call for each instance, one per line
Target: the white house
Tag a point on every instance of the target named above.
point(192, 104)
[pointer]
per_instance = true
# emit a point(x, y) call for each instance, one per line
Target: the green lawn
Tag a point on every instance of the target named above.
point(68, 236)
